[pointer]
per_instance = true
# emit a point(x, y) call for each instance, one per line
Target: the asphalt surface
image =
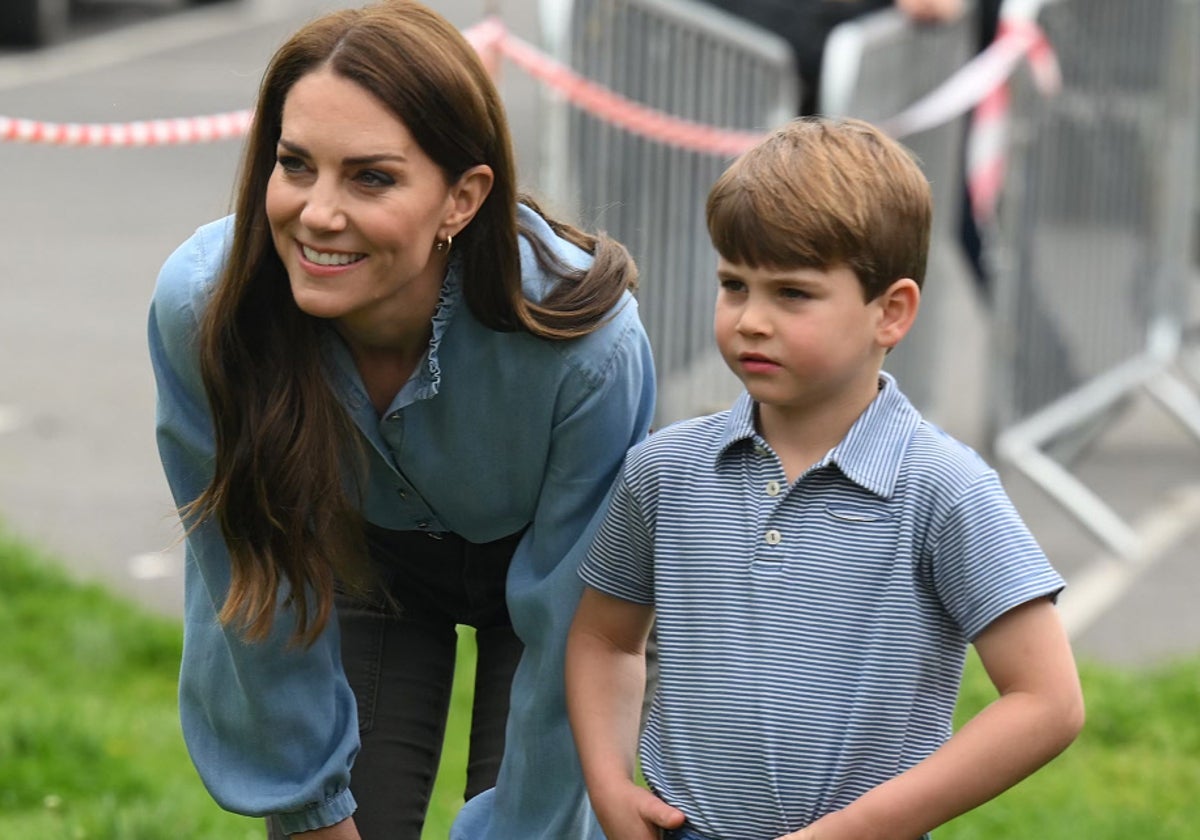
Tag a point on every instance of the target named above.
point(85, 230)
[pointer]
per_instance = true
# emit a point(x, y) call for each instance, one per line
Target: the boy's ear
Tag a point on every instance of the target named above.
point(898, 307)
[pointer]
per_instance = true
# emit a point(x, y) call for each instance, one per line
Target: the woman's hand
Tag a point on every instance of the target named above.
point(345, 830)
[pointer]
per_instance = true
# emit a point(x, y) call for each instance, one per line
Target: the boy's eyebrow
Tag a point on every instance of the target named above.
point(361, 160)
point(787, 277)
point(793, 279)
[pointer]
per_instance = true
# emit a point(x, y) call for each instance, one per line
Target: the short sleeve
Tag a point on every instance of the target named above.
point(985, 560)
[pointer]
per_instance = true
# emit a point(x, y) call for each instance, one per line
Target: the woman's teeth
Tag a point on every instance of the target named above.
point(323, 258)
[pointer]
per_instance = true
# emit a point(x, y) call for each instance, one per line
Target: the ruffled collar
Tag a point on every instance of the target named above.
point(426, 378)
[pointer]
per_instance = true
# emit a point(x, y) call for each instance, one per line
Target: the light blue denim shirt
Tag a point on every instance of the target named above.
point(493, 433)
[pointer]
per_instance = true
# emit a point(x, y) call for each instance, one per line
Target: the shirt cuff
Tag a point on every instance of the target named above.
point(323, 814)
point(471, 822)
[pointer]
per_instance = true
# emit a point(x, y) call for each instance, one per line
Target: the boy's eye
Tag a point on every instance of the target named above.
point(732, 285)
point(791, 293)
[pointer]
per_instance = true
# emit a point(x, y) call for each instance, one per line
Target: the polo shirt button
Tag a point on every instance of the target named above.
point(402, 493)
point(773, 488)
point(422, 525)
point(773, 537)
point(759, 449)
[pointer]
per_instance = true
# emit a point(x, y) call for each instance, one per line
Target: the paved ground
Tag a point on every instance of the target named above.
point(84, 232)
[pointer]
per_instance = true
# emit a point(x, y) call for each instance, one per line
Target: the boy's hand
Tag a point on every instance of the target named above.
point(838, 825)
point(634, 813)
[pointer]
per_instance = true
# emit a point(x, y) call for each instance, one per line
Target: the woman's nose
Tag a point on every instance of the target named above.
point(322, 209)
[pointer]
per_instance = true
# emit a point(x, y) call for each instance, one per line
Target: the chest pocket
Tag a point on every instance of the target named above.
point(841, 512)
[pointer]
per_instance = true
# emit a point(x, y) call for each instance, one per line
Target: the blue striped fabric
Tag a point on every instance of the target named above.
point(811, 639)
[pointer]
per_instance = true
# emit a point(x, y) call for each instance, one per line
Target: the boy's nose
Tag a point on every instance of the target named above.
point(753, 320)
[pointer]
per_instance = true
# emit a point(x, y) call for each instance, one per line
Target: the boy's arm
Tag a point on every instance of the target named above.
point(606, 679)
point(1038, 714)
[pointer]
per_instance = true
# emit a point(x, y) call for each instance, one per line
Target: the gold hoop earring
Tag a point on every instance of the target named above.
point(443, 247)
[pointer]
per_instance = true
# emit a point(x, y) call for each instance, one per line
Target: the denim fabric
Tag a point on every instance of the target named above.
point(496, 432)
point(684, 833)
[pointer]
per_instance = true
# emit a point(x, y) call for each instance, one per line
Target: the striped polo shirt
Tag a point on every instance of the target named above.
point(811, 637)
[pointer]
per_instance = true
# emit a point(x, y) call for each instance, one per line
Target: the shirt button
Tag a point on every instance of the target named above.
point(773, 488)
point(773, 537)
point(402, 493)
point(422, 525)
point(759, 449)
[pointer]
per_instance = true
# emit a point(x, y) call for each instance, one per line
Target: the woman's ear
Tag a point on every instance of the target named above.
point(898, 307)
point(467, 195)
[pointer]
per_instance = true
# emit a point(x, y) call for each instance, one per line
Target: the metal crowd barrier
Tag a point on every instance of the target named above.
point(692, 61)
point(1093, 253)
point(873, 68)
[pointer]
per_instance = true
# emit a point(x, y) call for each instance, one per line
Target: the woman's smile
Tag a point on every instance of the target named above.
point(328, 258)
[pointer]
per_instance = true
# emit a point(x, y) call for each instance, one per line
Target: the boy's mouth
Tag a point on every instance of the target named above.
point(757, 363)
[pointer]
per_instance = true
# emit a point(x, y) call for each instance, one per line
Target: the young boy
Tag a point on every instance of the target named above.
point(817, 558)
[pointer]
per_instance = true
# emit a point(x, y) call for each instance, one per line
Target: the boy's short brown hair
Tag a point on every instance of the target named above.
point(822, 192)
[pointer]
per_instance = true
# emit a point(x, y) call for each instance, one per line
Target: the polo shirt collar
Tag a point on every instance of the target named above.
point(739, 425)
point(869, 454)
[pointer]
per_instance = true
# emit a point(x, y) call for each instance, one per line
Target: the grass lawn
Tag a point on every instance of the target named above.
point(90, 744)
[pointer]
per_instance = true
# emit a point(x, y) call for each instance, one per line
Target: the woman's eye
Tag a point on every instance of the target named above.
point(290, 163)
point(375, 178)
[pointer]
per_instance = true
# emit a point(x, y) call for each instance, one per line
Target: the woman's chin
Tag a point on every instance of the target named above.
point(318, 305)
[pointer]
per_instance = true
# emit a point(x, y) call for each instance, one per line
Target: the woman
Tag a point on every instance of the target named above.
point(388, 375)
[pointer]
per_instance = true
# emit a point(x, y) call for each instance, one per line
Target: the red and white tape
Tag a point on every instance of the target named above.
point(151, 133)
point(983, 76)
point(980, 78)
point(617, 110)
point(987, 139)
point(485, 37)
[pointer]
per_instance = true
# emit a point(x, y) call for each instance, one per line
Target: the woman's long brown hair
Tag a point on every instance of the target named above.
point(285, 484)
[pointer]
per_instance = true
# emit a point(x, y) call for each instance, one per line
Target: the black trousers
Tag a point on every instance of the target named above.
point(398, 652)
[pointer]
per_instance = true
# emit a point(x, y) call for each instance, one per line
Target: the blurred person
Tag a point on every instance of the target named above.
point(806, 24)
point(970, 235)
point(816, 559)
point(392, 397)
